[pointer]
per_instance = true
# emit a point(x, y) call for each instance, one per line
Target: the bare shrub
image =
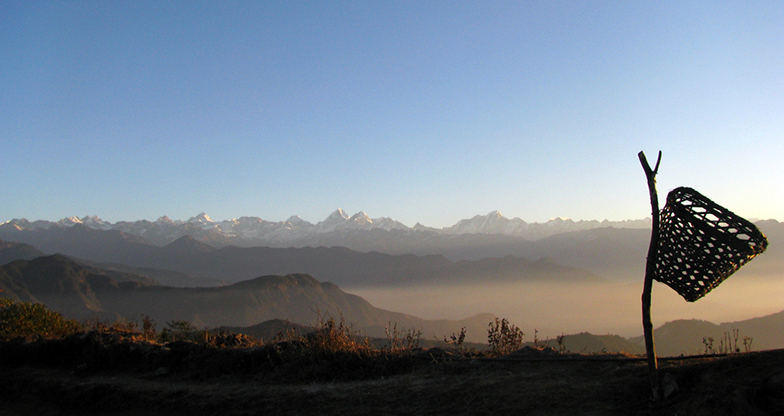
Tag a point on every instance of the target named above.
point(337, 336)
point(457, 339)
point(402, 341)
point(504, 337)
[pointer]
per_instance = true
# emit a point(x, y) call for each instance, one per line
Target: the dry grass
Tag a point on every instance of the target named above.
point(310, 375)
point(124, 369)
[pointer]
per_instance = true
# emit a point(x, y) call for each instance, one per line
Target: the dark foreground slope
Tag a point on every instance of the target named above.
point(427, 383)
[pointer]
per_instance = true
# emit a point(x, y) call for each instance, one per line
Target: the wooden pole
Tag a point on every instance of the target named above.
point(650, 270)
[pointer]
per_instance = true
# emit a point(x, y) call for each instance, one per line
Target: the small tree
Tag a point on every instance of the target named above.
point(148, 328)
point(177, 331)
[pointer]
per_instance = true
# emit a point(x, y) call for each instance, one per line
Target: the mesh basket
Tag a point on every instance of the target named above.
point(702, 243)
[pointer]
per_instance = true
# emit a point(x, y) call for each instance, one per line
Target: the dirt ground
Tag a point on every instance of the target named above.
point(748, 384)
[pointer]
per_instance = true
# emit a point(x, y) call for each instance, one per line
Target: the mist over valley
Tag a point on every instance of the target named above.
point(577, 280)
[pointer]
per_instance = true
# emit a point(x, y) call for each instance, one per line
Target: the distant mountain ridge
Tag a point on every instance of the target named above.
point(689, 336)
point(296, 232)
point(346, 267)
point(10, 251)
point(62, 284)
point(617, 253)
point(86, 292)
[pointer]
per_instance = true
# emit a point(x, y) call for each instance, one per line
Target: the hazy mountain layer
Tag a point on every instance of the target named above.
point(10, 251)
point(691, 336)
point(586, 343)
point(339, 265)
point(606, 251)
point(435, 286)
point(87, 293)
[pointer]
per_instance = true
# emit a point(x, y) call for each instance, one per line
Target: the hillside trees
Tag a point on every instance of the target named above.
point(30, 320)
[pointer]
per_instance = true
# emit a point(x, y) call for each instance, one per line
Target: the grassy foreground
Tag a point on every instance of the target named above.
point(116, 371)
point(748, 384)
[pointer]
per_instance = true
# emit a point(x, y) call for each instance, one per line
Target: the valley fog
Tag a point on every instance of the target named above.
point(611, 307)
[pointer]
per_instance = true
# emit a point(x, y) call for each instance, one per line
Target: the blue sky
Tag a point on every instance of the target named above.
point(421, 111)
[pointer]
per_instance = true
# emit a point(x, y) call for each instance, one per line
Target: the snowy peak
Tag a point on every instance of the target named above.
point(164, 220)
point(69, 221)
point(338, 215)
point(361, 219)
point(339, 221)
point(297, 224)
point(202, 218)
point(15, 224)
point(333, 221)
point(254, 231)
point(495, 214)
point(419, 227)
point(492, 223)
point(388, 224)
point(25, 224)
point(96, 223)
point(296, 220)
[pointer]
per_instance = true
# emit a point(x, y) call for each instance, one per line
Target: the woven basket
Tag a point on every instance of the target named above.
point(701, 243)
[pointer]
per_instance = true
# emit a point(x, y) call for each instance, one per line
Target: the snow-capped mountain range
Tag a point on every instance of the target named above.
point(248, 231)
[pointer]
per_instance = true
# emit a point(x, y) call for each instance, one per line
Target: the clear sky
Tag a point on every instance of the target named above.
point(423, 111)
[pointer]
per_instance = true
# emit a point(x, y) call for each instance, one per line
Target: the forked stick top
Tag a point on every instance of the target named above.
point(644, 161)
